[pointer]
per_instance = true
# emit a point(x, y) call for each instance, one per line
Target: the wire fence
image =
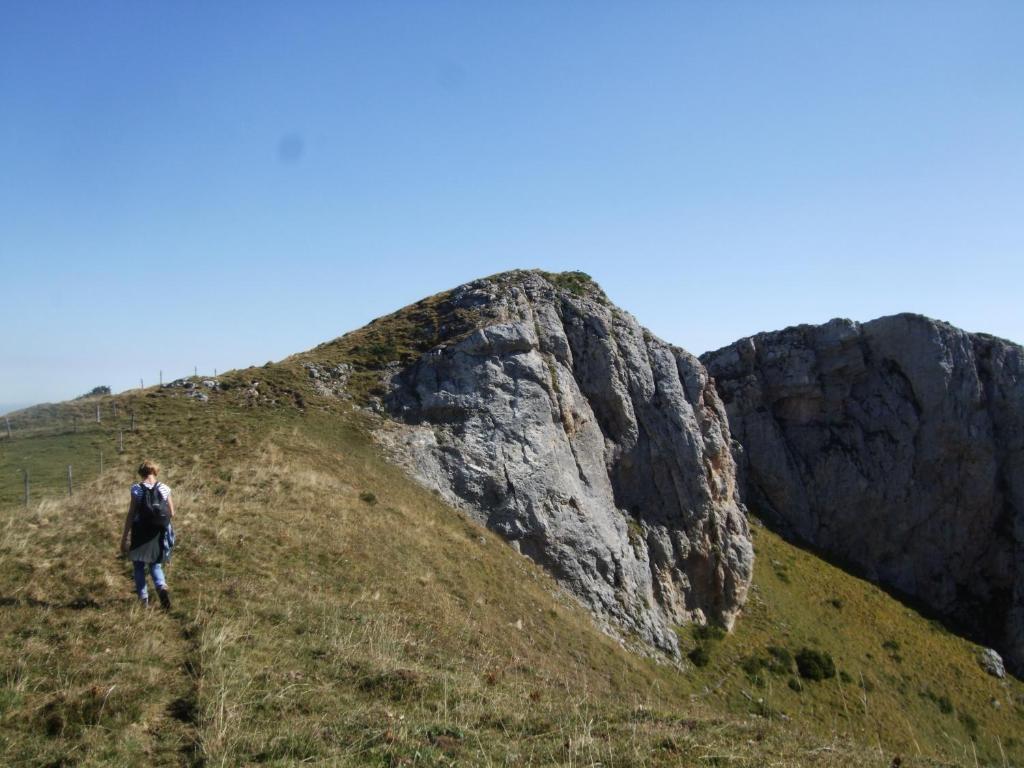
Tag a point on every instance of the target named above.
point(54, 450)
point(43, 461)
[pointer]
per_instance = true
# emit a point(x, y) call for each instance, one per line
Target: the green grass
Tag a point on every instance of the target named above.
point(902, 682)
point(576, 283)
point(328, 611)
point(398, 337)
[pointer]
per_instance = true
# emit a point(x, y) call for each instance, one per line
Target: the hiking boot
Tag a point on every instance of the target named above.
point(165, 599)
point(144, 602)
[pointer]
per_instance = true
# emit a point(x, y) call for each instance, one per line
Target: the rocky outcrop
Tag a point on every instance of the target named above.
point(597, 449)
point(896, 446)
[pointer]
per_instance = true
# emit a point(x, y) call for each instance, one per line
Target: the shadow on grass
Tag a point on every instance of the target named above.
point(76, 604)
point(981, 635)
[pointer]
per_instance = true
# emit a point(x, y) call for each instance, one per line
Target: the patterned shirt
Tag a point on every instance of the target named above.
point(165, 490)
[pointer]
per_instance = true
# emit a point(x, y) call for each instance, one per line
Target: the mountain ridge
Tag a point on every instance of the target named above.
point(331, 611)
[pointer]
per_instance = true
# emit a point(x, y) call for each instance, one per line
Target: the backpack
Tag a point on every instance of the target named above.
point(153, 508)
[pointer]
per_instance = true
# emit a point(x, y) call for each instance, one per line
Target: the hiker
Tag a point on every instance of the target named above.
point(148, 534)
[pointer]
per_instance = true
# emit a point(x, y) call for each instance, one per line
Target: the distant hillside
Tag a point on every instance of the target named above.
point(6, 408)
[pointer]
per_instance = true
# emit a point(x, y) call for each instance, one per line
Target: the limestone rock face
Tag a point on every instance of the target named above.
point(896, 446)
point(597, 449)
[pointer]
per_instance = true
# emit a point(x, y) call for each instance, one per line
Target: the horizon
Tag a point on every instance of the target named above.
point(224, 188)
point(10, 407)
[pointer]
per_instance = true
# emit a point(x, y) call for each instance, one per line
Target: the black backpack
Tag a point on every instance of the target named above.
point(154, 510)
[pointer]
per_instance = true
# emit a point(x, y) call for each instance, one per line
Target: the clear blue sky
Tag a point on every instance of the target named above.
point(220, 184)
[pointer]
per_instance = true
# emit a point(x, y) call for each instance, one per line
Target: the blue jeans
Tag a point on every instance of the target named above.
point(155, 570)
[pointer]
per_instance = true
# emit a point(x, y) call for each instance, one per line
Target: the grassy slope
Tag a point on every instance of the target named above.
point(313, 625)
point(903, 682)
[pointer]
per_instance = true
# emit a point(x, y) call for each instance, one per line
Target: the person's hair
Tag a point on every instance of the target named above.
point(148, 468)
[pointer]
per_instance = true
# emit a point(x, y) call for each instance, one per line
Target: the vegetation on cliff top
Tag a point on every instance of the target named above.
point(404, 335)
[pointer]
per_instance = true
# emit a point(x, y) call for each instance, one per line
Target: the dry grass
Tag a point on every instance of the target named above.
point(311, 626)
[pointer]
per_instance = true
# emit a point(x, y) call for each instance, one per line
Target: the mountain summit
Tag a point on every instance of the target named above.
point(596, 449)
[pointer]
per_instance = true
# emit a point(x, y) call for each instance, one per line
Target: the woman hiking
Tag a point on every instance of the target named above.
point(148, 535)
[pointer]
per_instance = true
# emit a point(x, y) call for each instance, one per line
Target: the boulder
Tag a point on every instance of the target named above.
point(992, 663)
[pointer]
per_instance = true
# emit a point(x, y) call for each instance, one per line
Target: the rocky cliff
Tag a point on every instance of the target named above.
point(896, 446)
point(595, 448)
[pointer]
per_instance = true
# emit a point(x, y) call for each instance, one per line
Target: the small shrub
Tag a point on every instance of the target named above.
point(635, 533)
point(795, 684)
point(368, 497)
point(700, 656)
point(780, 661)
point(94, 392)
point(708, 633)
point(448, 739)
point(836, 603)
point(381, 351)
point(577, 283)
point(815, 665)
point(893, 647)
point(752, 665)
point(970, 724)
point(941, 701)
point(845, 676)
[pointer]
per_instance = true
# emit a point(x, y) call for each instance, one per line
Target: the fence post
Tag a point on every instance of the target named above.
point(25, 471)
point(8, 427)
point(195, 371)
point(115, 411)
point(120, 441)
point(101, 462)
point(161, 378)
point(140, 384)
point(97, 413)
point(69, 479)
point(133, 419)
